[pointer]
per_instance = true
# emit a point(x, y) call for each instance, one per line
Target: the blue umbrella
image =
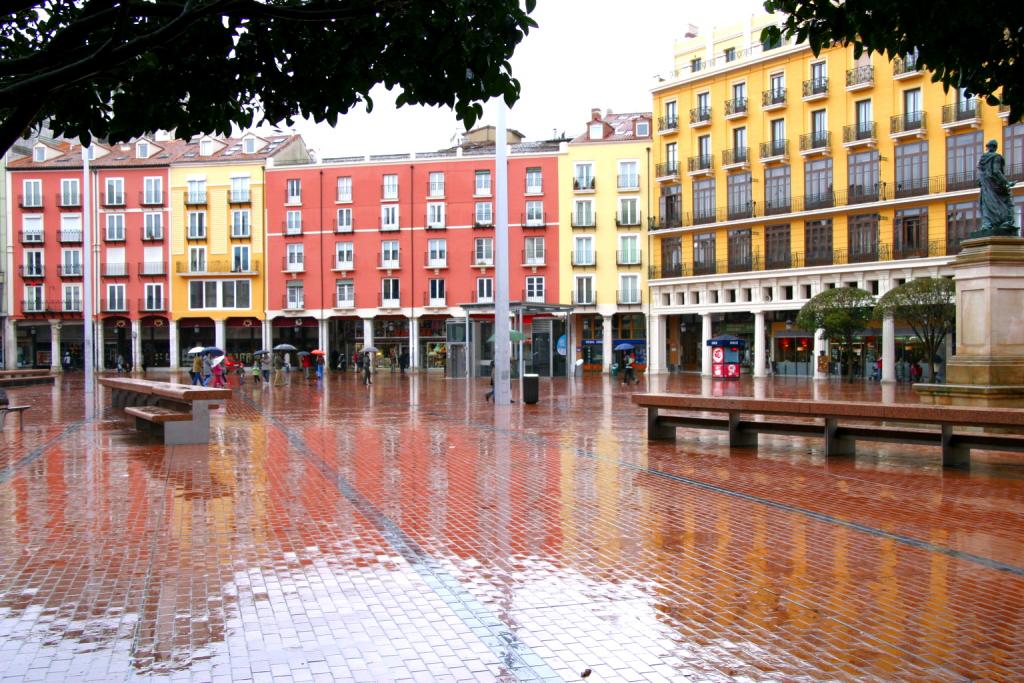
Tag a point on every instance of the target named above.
point(213, 350)
point(623, 346)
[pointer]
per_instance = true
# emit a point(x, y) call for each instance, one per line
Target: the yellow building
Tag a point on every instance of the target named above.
point(780, 174)
point(603, 246)
point(217, 241)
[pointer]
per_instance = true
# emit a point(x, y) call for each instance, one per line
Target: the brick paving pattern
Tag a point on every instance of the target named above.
point(404, 532)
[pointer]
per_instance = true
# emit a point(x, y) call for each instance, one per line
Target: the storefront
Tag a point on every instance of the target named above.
point(242, 338)
point(33, 340)
point(391, 337)
point(346, 335)
point(156, 345)
point(792, 352)
point(542, 350)
point(302, 333)
point(590, 332)
point(193, 332)
point(630, 329)
point(117, 341)
point(433, 347)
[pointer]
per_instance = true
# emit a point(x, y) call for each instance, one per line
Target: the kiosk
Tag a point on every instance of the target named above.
point(726, 354)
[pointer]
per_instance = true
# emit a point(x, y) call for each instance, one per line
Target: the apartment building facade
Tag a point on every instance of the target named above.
point(780, 173)
point(604, 195)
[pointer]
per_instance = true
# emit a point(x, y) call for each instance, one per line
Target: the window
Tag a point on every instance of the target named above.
point(38, 153)
point(114, 262)
point(583, 251)
point(777, 87)
point(115, 227)
point(196, 192)
point(197, 259)
point(484, 290)
point(1013, 150)
point(31, 228)
point(293, 223)
point(71, 262)
point(865, 124)
point(643, 129)
point(71, 301)
point(484, 214)
point(436, 184)
point(345, 291)
point(389, 217)
point(778, 132)
point(739, 196)
point(114, 193)
point(739, 144)
point(740, 250)
point(483, 184)
point(295, 294)
point(534, 213)
point(154, 297)
point(32, 193)
point(777, 189)
point(703, 106)
point(535, 288)
point(205, 147)
point(345, 189)
point(344, 221)
point(293, 191)
point(704, 151)
point(240, 223)
point(695, 64)
point(153, 260)
point(69, 194)
point(671, 205)
point(235, 294)
point(202, 294)
point(534, 181)
point(819, 75)
point(629, 249)
point(818, 242)
point(33, 263)
point(153, 191)
point(34, 298)
point(391, 186)
point(671, 257)
point(962, 219)
point(391, 292)
point(730, 54)
point(437, 253)
point(629, 175)
point(704, 200)
point(483, 251)
point(912, 108)
point(819, 128)
point(671, 115)
point(583, 176)
point(583, 213)
point(295, 258)
point(70, 227)
point(240, 189)
point(911, 233)
point(436, 288)
point(912, 169)
point(240, 258)
point(197, 225)
point(344, 256)
point(534, 251)
point(818, 183)
point(704, 253)
point(596, 131)
point(389, 254)
point(435, 215)
point(629, 289)
point(862, 237)
point(152, 226)
point(671, 158)
point(961, 156)
point(115, 298)
point(863, 177)
point(249, 146)
point(584, 290)
point(629, 211)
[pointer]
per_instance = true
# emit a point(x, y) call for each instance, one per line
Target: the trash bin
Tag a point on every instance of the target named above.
point(531, 388)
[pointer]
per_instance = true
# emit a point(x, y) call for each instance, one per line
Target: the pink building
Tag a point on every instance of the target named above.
point(386, 250)
point(129, 217)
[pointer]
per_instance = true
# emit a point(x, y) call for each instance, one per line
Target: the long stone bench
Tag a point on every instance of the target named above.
point(179, 412)
point(840, 423)
point(25, 377)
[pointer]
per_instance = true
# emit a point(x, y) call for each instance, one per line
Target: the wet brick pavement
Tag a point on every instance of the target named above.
point(404, 532)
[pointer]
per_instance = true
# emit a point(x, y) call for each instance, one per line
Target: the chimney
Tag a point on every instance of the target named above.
point(595, 114)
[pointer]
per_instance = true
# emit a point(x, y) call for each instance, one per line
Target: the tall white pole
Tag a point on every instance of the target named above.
point(502, 350)
point(88, 359)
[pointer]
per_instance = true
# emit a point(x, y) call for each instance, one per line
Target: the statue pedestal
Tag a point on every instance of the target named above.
point(988, 368)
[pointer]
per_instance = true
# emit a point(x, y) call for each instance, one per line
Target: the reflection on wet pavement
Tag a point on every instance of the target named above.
point(405, 531)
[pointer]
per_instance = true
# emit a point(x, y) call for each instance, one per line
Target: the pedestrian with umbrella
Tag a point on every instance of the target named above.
point(263, 363)
point(368, 364)
point(319, 360)
point(207, 368)
point(197, 366)
point(628, 372)
point(217, 371)
point(304, 361)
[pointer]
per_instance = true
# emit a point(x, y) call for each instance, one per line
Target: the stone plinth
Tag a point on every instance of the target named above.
point(988, 368)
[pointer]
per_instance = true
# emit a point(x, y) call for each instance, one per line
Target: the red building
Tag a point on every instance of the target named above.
point(129, 218)
point(385, 250)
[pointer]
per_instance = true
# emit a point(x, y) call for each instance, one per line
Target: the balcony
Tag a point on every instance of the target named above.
point(239, 197)
point(344, 303)
point(915, 187)
point(69, 200)
point(667, 170)
point(909, 124)
point(961, 181)
point(736, 108)
point(860, 77)
point(69, 270)
point(532, 260)
point(115, 270)
point(388, 226)
point(630, 257)
point(739, 211)
point(291, 229)
point(774, 151)
point(483, 225)
point(700, 165)
point(584, 184)
point(220, 267)
point(583, 259)
point(916, 250)
point(1004, 112)
point(663, 271)
point(388, 262)
point(437, 262)
point(344, 265)
point(30, 201)
point(773, 206)
point(296, 199)
point(582, 222)
point(584, 298)
point(195, 198)
point(32, 272)
point(628, 221)
point(198, 233)
point(150, 235)
point(815, 89)
point(116, 235)
point(151, 268)
point(815, 143)
point(152, 304)
point(821, 200)
point(629, 297)
point(33, 306)
point(482, 262)
point(435, 190)
point(433, 301)
point(709, 267)
point(672, 220)
point(114, 306)
point(533, 297)
point(151, 198)
point(532, 220)
point(31, 236)
point(704, 215)
point(389, 193)
point(69, 236)
point(905, 67)
point(343, 226)
point(294, 301)
point(389, 302)
point(962, 114)
point(863, 194)
point(738, 157)
point(240, 232)
point(628, 181)
point(435, 224)
point(700, 116)
point(819, 257)
point(772, 99)
point(862, 133)
point(112, 199)
point(668, 124)
point(70, 305)
point(292, 266)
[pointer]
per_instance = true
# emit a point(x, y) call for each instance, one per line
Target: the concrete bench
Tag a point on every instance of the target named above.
point(25, 377)
point(20, 410)
point(179, 412)
point(840, 423)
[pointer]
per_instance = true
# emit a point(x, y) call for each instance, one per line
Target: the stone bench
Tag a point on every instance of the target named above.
point(840, 423)
point(25, 377)
point(20, 410)
point(179, 412)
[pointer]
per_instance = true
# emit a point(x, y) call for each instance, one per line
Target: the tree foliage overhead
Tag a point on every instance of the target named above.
point(927, 306)
point(843, 312)
point(976, 46)
point(118, 69)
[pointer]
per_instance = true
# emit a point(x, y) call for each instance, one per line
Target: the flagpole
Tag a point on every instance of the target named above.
point(502, 348)
point(88, 358)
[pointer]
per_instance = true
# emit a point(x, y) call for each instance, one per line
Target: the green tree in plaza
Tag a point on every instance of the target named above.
point(843, 312)
point(978, 47)
point(927, 305)
point(115, 70)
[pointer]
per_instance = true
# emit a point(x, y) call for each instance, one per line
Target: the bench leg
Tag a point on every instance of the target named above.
point(657, 431)
point(836, 445)
point(739, 437)
point(195, 431)
point(953, 454)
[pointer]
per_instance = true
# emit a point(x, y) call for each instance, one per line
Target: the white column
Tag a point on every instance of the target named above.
point(55, 346)
point(268, 337)
point(136, 347)
point(414, 342)
point(367, 331)
point(173, 346)
point(819, 348)
point(656, 345)
point(606, 343)
point(323, 343)
point(10, 344)
point(219, 335)
point(888, 349)
point(759, 345)
point(705, 350)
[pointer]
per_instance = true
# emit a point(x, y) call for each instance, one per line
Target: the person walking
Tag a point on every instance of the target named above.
point(265, 361)
point(368, 370)
point(278, 370)
point(67, 361)
point(320, 360)
point(342, 362)
point(305, 363)
point(217, 372)
point(403, 360)
point(197, 369)
point(207, 369)
point(120, 364)
point(628, 373)
point(287, 363)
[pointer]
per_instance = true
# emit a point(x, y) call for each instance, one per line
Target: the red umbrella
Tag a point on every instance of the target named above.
point(318, 352)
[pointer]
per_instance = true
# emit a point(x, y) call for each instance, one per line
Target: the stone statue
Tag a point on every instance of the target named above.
point(997, 210)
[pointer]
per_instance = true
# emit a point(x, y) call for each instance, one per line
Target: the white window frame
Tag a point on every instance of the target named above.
point(114, 228)
point(483, 251)
point(437, 292)
point(32, 192)
point(240, 190)
point(196, 225)
point(205, 148)
point(391, 286)
point(437, 253)
point(153, 190)
point(249, 146)
point(435, 184)
point(153, 225)
point(113, 192)
point(583, 175)
point(482, 187)
point(71, 266)
point(634, 289)
point(32, 229)
point(629, 169)
point(535, 180)
point(583, 213)
point(535, 213)
point(390, 217)
point(634, 217)
point(344, 220)
point(241, 223)
point(153, 296)
point(535, 288)
point(342, 249)
point(295, 257)
point(295, 294)
point(589, 299)
point(234, 286)
point(390, 254)
point(643, 129)
point(293, 222)
point(71, 297)
point(348, 285)
point(33, 301)
point(38, 153)
point(197, 260)
point(537, 257)
point(34, 261)
point(389, 187)
point(583, 250)
point(483, 214)
point(241, 258)
point(344, 189)
point(485, 290)
point(435, 215)
point(196, 191)
point(70, 192)
point(293, 191)
point(116, 297)
point(629, 244)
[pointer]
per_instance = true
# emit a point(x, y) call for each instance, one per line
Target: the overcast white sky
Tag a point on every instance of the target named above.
point(583, 54)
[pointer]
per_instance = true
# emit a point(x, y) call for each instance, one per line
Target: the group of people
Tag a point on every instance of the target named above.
point(207, 371)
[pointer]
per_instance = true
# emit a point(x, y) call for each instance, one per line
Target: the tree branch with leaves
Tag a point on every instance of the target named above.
point(927, 305)
point(842, 312)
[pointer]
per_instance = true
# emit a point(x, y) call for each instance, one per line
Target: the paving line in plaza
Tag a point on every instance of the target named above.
point(498, 636)
point(7, 472)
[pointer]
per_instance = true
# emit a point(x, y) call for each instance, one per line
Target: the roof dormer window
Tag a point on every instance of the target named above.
point(205, 148)
point(142, 150)
point(596, 130)
point(249, 145)
point(643, 129)
point(38, 153)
